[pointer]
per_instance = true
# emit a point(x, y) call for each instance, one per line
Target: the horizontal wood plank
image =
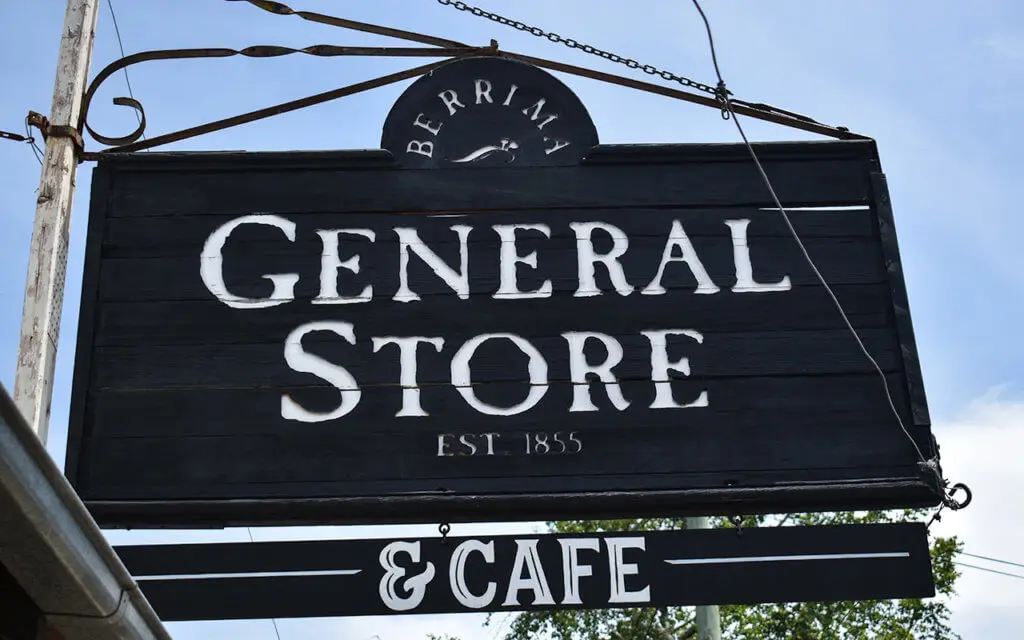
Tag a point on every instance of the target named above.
point(797, 182)
point(132, 323)
point(762, 354)
point(672, 568)
point(738, 403)
point(841, 262)
point(177, 235)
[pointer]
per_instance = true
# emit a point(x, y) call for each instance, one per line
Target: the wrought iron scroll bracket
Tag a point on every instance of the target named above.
point(130, 142)
point(442, 48)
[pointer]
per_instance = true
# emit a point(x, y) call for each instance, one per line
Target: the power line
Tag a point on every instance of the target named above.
point(1002, 573)
point(973, 555)
point(727, 112)
point(120, 45)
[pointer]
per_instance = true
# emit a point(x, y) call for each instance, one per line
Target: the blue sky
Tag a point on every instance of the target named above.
point(940, 85)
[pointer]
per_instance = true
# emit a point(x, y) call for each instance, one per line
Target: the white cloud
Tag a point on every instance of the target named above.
point(980, 449)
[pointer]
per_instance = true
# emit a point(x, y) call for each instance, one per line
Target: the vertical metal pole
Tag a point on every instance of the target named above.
point(48, 254)
point(709, 626)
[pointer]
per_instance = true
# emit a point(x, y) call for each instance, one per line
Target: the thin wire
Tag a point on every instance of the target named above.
point(277, 632)
point(1002, 573)
point(727, 105)
point(711, 41)
point(120, 45)
point(973, 555)
point(36, 151)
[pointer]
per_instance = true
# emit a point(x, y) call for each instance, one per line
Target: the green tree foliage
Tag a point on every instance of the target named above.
point(864, 620)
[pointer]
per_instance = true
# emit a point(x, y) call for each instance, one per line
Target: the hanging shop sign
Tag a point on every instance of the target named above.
point(493, 317)
point(517, 573)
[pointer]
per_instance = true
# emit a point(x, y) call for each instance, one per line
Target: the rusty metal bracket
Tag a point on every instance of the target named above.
point(282, 9)
point(65, 131)
point(754, 110)
point(42, 123)
point(440, 48)
point(129, 142)
point(16, 137)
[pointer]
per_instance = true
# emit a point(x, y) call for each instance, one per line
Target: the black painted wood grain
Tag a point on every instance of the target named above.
point(743, 403)
point(177, 397)
point(721, 355)
point(805, 308)
point(166, 236)
point(843, 261)
point(732, 182)
point(221, 581)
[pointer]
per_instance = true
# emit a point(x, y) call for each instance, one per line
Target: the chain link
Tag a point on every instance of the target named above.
point(585, 48)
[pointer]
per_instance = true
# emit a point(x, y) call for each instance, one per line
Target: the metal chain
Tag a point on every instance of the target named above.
point(586, 48)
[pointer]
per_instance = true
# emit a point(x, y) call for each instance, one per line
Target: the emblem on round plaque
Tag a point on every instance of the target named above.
point(488, 112)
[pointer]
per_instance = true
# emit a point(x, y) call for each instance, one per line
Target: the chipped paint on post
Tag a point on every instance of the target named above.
point(44, 288)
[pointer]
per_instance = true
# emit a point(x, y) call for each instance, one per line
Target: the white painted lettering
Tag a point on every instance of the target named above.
point(559, 144)
point(508, 258)
point(483, 91)
point(572, 570)
point(508, 98)
point(407, 373)
point(211, 265)
point(442, 445)
point(422, 148)
point(660, 367)
point(587, 258)
point(422, 121)
point(537, 115)
point(677, 238)
point(457, 280)
point(535, 580)
point(470, 446)
point(579, 368)
point(618, 569)
point(339, 377)
point(490, 442)
point(415, 585)
point(745, 282)
point(462, 377)
point(457, 574)
point(450, 100)
point(330, 262)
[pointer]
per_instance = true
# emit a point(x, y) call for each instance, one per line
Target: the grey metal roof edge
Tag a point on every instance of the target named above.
point(56, 551)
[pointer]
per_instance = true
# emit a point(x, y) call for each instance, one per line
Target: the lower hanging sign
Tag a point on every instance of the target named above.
point(524, 572)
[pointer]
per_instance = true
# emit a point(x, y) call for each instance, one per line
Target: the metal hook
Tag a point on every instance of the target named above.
point(950, 501)
point(443, 529)
point(723, 98)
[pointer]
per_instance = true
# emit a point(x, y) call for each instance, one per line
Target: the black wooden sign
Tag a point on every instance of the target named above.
point(337, 337)
point(514, 573)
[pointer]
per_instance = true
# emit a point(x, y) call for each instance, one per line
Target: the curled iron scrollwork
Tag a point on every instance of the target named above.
point(129, 142)
point(439, 48)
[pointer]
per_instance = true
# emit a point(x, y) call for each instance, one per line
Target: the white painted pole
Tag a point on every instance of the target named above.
point(48, 254)
point(709, 626)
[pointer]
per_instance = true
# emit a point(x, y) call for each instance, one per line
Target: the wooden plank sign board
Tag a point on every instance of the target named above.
point(339, 337)
point(516, 573)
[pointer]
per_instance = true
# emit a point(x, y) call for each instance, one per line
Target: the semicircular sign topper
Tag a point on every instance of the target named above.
point(488, 112)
